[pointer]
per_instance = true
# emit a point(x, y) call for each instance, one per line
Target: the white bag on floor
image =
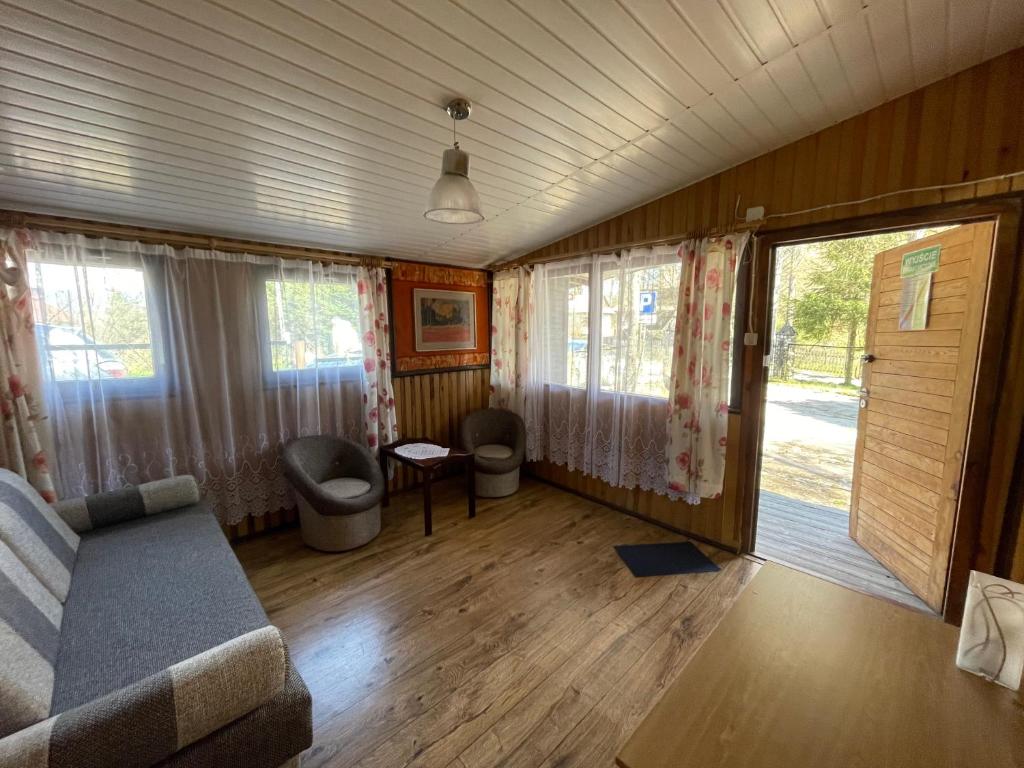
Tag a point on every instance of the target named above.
point(992, 633)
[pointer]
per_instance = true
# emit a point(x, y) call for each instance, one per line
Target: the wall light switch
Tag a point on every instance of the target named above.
point(750, 339)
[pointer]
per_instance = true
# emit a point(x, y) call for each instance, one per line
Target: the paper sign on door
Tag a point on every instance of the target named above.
point(916, 270)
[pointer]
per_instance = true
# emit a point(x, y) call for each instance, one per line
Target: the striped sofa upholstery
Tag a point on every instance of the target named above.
point(145, 646)
point(36, 534)
point(30, 618)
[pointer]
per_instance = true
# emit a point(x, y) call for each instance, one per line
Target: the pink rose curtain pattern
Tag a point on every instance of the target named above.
point(25, 447)
point(510, 339)
point(379, 421)
point(699, 394)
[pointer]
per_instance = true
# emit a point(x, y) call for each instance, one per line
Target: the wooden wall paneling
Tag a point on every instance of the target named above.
point(433, 405)
point(1006, 404)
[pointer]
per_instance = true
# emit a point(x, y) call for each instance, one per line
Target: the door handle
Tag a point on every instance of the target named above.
point(864, 394)
point(867, 358)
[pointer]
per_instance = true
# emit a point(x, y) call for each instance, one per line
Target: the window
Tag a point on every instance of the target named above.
point(612, 322)
point(311, 325)
point(638, 315)
point(567, 314)
point(94, 324)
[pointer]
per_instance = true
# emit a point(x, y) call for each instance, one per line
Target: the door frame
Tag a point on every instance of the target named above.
point(997, 412)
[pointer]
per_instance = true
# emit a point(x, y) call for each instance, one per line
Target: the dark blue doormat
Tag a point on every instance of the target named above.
point(664, 559)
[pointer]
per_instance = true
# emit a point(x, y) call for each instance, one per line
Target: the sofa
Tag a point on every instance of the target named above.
point(130, 637)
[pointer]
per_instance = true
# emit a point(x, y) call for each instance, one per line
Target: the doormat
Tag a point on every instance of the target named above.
point(664, 559)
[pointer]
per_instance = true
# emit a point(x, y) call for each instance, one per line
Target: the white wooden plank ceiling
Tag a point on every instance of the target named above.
point(319, 122)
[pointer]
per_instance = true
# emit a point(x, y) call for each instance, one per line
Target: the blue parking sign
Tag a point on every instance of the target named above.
point(648, 302)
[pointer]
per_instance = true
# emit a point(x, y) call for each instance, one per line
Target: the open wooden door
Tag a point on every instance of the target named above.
point(918, 388)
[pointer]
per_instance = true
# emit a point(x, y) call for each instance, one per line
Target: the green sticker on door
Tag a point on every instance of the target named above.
point(922, 262)
point(916, 270)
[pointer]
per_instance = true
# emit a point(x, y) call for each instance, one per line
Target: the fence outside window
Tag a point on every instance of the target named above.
point(814, 362)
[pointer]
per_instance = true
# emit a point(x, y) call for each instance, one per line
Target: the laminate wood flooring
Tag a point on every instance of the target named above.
point(515, 639)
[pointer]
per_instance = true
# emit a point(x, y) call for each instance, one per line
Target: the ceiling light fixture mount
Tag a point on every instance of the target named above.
point(454, 200)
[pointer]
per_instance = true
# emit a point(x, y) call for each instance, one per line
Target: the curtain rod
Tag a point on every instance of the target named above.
point(523, 261)
point(182, 239)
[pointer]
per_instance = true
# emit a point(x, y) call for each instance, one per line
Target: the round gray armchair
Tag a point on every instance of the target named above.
point(338, 486)
point(497, 440)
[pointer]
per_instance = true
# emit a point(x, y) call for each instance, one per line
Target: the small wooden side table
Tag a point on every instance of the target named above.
point(428, 467)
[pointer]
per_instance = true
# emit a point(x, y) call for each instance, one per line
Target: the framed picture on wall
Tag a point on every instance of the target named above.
point(440, 318)
point(444, 320)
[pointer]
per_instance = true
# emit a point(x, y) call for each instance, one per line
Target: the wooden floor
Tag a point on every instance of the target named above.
point(815, 539)
point(515, 639)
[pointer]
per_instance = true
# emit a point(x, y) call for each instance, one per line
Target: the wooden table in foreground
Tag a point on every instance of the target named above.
point(802, 672)
point(427, 467)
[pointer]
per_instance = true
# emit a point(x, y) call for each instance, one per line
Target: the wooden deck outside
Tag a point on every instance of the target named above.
point(815, 538)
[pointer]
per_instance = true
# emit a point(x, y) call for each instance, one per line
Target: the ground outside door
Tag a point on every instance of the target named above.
point(924, 329)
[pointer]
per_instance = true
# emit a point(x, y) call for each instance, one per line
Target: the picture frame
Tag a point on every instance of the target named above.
point(444, 320)
point(414, 352)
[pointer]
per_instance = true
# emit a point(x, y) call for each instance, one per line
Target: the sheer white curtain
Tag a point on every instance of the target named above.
point(600, 359)
point(159, 361)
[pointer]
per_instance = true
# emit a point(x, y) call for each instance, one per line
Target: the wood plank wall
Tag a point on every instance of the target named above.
point(969, 126)
point(434, 405)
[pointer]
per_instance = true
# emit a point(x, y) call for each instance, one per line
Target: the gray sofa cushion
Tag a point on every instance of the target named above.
point(147, 594)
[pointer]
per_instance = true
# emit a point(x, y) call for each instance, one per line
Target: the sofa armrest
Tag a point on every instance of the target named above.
point(113, 507)
point(146, 722)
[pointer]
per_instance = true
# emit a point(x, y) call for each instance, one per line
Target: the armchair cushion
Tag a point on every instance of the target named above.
point(150, 720)
point(494, 451)
point(112, 507)
point(346, 487)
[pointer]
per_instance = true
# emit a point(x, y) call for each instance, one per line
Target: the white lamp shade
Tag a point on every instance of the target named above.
point(454, 200)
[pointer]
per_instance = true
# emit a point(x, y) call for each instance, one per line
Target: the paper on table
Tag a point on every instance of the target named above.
point(421, 451)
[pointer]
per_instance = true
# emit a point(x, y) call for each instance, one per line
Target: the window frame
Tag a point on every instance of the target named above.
point(111, 388)
point(291, 376)
point(596, 269)
point(615, 262)
point(567, 271)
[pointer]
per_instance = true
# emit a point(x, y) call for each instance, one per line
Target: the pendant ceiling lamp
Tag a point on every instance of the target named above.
point(453, 200)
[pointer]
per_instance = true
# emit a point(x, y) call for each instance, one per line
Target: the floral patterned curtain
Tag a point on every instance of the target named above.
point(699, 393)
point(379, 419)
point(24, 448)
point(509, 339)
